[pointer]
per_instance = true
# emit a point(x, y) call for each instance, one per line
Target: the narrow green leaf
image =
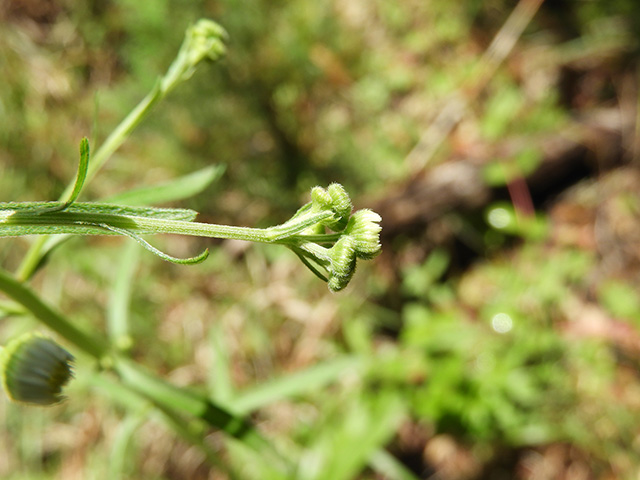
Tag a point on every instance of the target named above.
point(181, 261)
point(91, 344)
point(22, 209)
point(181, 188)
point(291, 385)
point(170, 397)
point(136, 401)
point(302, 255)
point(220, 384)
point(122, 444)
point(83, 166)
point(390, 467)
point(345, 443)
point(118, 309)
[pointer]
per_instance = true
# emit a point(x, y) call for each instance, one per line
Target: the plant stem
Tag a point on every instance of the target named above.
point(57, 322)
point(88, 223)
point(133, 376)
point(173, 77)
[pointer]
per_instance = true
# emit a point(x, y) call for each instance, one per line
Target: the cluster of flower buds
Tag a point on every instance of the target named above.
point(354, 236)
point(34, 369)
point(203, 41)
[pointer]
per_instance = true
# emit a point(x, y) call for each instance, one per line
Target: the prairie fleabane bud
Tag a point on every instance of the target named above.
point(34, 369)
point(364, 228)
point(203, 41)
point(336, 199)
point(343, 263)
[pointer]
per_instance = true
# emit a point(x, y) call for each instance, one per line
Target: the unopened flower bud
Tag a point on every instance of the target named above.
point(364, 228)
point(336, 199)
point(204, 40)
point(34, 369)
point(341, 203)
point(343, 263)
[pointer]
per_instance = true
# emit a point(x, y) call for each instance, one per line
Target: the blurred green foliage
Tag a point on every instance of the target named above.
point(502, 358)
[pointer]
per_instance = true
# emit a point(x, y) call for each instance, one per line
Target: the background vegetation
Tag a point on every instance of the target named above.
point(498, 336)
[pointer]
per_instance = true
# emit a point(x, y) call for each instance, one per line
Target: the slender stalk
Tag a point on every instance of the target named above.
point(203, 40)
point(57, 322)
point(87, 223)
point(31, 260)
point(169, 398)
point(134, 376)
point(111, 144)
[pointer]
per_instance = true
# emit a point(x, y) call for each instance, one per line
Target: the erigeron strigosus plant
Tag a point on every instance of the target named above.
point(324, 234)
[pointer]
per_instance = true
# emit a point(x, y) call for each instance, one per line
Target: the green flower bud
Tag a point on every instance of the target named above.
point(336, 199)
point(365, 229)
point(320, 198)
point(343, 263)
point(340, 201)
point(34, 369)
point(204, 40)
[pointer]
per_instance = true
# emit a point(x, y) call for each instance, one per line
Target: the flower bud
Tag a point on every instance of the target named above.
point(336, 199)
point(34, 369)
point(340, 201)
point(320, 198)
point(365, 229)
point(204, 40)
point(343, 263)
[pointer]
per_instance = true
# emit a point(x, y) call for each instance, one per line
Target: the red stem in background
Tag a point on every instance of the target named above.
point(521, 198)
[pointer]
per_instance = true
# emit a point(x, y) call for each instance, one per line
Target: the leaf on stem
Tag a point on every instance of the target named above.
point(181, 261)
point(83, 167)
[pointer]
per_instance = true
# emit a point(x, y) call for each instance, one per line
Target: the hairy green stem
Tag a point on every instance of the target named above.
point(87, 223)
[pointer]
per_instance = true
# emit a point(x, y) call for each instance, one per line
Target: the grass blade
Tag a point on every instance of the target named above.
point(390, 467)
point(181, 188)
point(349, 437)
point(291, 385)
point(118, 309)
point(220, 385)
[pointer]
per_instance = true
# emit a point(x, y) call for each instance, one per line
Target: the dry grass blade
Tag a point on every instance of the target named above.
point(455, 108)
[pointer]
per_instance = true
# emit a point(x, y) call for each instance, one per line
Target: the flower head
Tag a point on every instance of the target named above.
point(336, 199)
point(364, 228)
point(342, 264)
point(203, 41)
point(34, 369)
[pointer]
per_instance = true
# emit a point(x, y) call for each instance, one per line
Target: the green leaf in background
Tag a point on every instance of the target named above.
point(621, 300)
point(118, 308)
point(345, 443)
point(390, 467)
point(299, 383)
point(180, 188)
